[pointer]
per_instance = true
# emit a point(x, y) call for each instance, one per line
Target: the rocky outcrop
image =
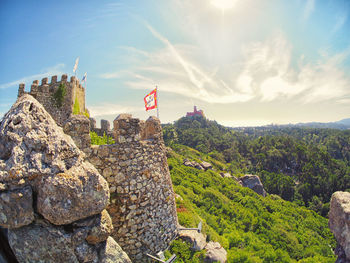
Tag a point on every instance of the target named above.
point(197, 240)
point(226, 175)
point(339, 223)
point(253, 182)
point(51, 198)
point(200, 166)
point(206, 165)
point(215, 253)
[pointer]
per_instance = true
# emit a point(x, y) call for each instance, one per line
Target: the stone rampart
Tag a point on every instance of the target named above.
point(142, 205)
point(105, 128)
point(44, 93)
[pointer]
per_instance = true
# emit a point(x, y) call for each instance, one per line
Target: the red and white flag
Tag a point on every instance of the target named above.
point(151, 100)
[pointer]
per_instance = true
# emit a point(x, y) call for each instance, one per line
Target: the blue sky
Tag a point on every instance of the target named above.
point(244, 62)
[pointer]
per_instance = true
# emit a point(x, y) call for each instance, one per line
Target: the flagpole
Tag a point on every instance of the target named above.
point(157, 103)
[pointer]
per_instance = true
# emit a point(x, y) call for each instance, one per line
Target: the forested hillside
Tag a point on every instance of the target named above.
point(250, 227)
point(305, 165)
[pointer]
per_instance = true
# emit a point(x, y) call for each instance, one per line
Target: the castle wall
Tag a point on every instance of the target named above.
point(142, 203)
point(105, 128)
point(45, 91)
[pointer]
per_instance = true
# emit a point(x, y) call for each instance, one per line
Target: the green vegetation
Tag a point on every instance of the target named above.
point(59, 95)
point(76, 106)
point(304, 165)
point(98, 140)
point(86, 114)
point(250, 227)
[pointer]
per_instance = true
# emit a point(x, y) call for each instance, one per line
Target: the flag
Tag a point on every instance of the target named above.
point(84, 78)
point(76, 65)
point(151, 100)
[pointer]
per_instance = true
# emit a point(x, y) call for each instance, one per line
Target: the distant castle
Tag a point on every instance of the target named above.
point(74, 96)
point(195, 112)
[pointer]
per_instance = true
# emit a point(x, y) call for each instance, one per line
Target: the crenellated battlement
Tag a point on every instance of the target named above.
point(44, 93)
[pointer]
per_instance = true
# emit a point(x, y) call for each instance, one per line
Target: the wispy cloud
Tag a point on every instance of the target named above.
point(308, 9)
point(267, 73)
point(111, 109)
point(55, 70)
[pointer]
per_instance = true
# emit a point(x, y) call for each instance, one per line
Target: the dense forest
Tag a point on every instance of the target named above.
point(304, 165)
point(250, 227)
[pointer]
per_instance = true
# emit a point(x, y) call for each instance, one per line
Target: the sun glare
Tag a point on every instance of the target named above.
point(223, 4)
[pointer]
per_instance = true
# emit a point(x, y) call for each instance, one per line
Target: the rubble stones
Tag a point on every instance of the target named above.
point(339, 220)
point(16, 208)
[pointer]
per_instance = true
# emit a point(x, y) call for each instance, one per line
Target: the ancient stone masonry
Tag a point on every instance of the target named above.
point(142, 198)
point(44, 93)
point(51, 199)
point(105, 128)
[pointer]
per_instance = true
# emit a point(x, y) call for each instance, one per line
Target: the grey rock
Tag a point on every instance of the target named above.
point(32, 145)
point(215, 253)
point(111, 252)
point(193, 237)
point(253, 182)
point(78, 193)
point(206, 165)
point(42, 243)
point(101, 230)
point(16, 208)
point(226, 175)
point(339, 220)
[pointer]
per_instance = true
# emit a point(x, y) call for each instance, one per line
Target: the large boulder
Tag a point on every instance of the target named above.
point(339, 220)
point(51, 199)
point(215, 253)
point(77, 193)
point(35, 153)
point(253, 182)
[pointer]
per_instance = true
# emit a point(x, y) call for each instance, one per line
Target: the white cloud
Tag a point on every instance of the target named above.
point(267, 74)
point(55, 70)
point(110, 109)
point(308, 9)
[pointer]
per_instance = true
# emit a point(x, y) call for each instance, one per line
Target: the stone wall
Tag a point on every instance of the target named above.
point(105, 127)
point(142, 204)
point(45, 91)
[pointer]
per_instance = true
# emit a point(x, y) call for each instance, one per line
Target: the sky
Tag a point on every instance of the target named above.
point(243, 62)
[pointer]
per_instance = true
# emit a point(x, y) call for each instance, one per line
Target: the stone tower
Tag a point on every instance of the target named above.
point(142, 204)
point(44, 93)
